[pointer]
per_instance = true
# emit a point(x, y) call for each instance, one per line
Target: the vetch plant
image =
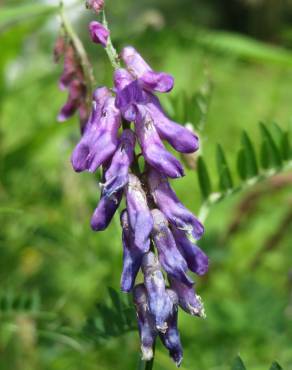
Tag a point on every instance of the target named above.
point(158, 231)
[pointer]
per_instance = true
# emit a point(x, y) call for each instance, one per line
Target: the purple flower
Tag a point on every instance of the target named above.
point(168, 203)
point(132, 256)
point(171, 338)
point(76, 90)
point(179, 137)
point(153, 150)
point(100, 138)
point(105, 211)
point(169, 256)
point(152, 81)
point(117, 176)
point(160, 304)
point(187, 298)
point(139, 214)
point(146, 325)
point(99, 34)
point(197, 260)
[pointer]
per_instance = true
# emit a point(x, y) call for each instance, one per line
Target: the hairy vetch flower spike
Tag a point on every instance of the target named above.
point(158, 231)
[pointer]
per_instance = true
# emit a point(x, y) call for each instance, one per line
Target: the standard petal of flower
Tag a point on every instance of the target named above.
point(99, 141)
point(105, 211)
point(139, 214)
point(99, 34)
point(168, 203)
point(132, 256)
point(160, 304)
point(153, 150)
point(187, 298)
point(169, 256)
point(146, 325)
point(171, 338)
point(157, 81)
point(197, 260)
point(122, 78)
point(117, 175)
point(128, 97)
point(153, 81)
point(179, 137)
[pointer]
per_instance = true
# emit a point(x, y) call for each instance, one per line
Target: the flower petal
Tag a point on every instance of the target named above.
point(99, 34)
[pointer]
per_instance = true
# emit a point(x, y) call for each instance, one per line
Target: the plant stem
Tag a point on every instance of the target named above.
point(110, 50)
point(147, 365)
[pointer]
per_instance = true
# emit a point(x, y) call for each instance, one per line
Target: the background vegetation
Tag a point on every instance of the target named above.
point(54, 270)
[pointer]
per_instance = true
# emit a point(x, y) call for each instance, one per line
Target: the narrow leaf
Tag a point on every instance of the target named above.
point(241, 164)
point(238, 364)
point(250, 161)
point(225, 179)
point(204, 179)
point(276, 366)
point(285, 146)
point(273, 154)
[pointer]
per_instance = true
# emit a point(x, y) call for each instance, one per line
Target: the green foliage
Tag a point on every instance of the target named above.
point(238, 364)
point(274, 156)
point(275, 366)
point(111, 320)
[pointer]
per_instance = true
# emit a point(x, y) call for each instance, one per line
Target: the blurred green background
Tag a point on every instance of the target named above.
point(54, 269)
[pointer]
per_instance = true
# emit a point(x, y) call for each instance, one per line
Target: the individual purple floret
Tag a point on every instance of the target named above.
point(132, 255)
point(153, 150)
point(160, 304)
point(169, 256)
point(171, 338)
point(197, 260)
point(152, 81)
point(146, 325)
point(105, 211)
point(187, 298)
point(99, 34)
point(179, 137)
point(100, 139)
point(117, 175)
point(139, 214)
point(168, 203)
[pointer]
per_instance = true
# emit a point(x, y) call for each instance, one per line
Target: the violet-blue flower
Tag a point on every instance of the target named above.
point(153, 150)
point(187, 298)
point(168, 203)
point(99, 140)
point(146, 325)
point(139, 214)
point(197, 260)
point(132, 255)
point(169, 256)
point(160, 304)
point(117, 175)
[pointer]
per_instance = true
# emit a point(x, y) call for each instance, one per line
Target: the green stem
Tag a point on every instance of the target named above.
point(110, 50)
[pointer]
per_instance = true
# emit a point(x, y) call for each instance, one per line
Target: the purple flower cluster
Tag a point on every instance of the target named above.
point(72, 80)
point(157, 228)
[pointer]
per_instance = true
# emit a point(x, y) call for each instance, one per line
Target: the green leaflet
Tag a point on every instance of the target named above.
point(238, 364)
point(204, 179)
point(225, 179)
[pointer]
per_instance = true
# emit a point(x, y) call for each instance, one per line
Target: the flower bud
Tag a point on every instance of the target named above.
point(96, 5)
point(98, 33)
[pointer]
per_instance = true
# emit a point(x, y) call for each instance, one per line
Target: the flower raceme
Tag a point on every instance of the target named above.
point(157, 228)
